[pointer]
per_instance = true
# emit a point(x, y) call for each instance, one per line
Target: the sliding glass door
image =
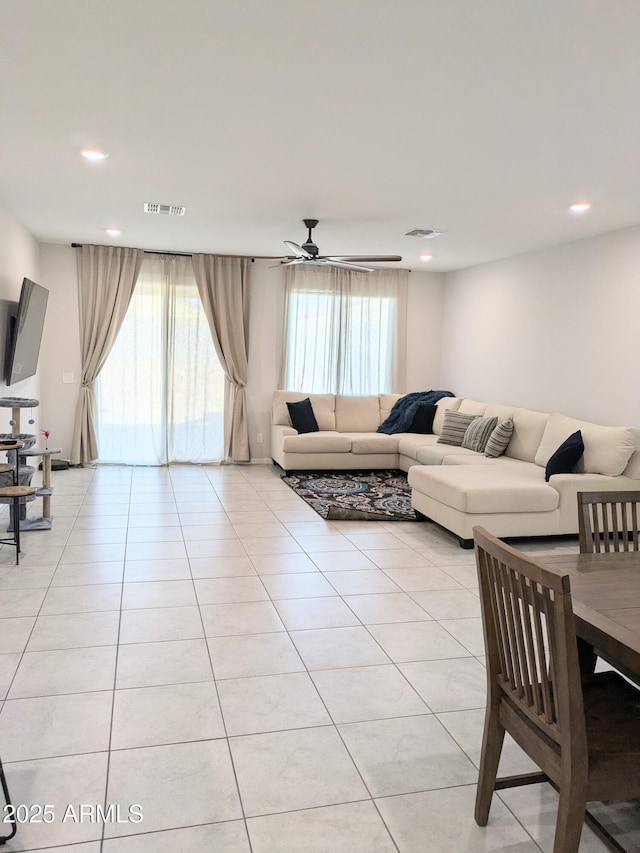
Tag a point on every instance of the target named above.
point(160, 395)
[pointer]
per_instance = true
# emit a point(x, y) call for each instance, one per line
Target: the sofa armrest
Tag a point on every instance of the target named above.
point(278, 435)
point(568, 486)
point(279, 431)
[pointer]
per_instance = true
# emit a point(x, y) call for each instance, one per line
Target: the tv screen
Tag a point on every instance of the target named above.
point(25, 332)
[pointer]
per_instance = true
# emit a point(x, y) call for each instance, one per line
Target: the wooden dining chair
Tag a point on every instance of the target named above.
point(584, 736)
point(608, 521)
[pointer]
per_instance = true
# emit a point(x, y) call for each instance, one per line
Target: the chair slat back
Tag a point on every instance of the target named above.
point(530, 639)
point(608, 521)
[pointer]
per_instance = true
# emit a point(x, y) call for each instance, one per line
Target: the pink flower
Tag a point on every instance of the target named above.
point(45, 433)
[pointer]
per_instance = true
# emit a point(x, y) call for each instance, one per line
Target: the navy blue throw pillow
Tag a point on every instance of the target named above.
point(302, 417)
point(423, 420)
point(566, 457)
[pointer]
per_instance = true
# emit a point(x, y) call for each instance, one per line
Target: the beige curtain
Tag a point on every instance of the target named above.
point(106, 278)
point(223, 284)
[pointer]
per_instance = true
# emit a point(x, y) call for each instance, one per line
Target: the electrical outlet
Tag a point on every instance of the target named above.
point(259, 438)
point(67, 378)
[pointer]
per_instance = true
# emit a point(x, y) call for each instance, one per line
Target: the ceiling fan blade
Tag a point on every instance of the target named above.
point(331, 262)
point(364, 258)
point(298, 251)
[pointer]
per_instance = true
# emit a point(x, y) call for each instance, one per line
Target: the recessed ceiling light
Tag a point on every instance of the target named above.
point(580, 207)
point(426, 257)
point(94, 154)
point(113, 232)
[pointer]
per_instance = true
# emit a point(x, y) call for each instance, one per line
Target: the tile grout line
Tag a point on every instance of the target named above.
point(220, 710)
point(115, 681)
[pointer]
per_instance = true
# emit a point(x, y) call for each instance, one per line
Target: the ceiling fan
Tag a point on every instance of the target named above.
point(308, 254)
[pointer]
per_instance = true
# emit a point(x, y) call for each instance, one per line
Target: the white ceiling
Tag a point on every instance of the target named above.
point(482, 118)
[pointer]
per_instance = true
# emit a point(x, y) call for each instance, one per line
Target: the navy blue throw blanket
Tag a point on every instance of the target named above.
point(403, 411)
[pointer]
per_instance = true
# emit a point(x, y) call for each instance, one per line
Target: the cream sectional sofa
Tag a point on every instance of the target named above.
point(459, 488)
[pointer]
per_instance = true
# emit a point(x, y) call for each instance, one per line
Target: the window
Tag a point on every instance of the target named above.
point(161, 393)
point(345, 332)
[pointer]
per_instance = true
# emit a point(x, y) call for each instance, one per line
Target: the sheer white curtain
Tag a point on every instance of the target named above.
point(161, 393)
point(344, 332)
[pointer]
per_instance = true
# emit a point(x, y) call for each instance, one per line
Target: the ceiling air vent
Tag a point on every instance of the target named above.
point(165, 209)
point(427, 233)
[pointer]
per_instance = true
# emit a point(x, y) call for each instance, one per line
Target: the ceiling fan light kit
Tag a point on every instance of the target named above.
point(308, 253)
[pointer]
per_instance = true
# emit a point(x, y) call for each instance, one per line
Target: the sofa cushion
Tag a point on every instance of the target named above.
point(607, 450)
point(499, 411)
point(472, 407)
point(435, 454)
point(499, 439)
point(454, 427)
point(455, 458)
point(324, 408)
point(410, 444)
point(633, 467)
point(566, 457)
point(387, 402)
point(442, 406)
point(302, 417)
point(357, 414)
point(317, 442)
point(372, 442)
point(422, 422)
point(478, 432)
point(466, 488)
point(528, 427)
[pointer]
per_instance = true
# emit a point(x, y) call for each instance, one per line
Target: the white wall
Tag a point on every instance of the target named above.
point(265, 343)
point(18, 259)
point(425, 306)
point(60, 345)
point(555, 330)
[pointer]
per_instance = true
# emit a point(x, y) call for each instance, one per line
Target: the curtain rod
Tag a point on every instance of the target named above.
point(190, 254)
point(252, 258)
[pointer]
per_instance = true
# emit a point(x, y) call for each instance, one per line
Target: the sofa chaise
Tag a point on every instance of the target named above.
point(456, 487)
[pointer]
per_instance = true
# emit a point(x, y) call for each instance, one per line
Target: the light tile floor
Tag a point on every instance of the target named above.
point(198, 643)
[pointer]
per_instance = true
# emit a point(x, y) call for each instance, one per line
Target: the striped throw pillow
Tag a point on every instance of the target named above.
point(478, 432)
point(454, 427)
point(499, 439)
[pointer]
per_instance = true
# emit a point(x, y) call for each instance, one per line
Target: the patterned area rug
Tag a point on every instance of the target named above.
point(355, 495)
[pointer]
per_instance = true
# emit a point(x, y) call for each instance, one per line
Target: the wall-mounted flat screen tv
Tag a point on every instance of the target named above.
point(25, 332)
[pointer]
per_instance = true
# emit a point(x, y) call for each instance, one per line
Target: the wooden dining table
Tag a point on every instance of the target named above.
point(605, 591)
